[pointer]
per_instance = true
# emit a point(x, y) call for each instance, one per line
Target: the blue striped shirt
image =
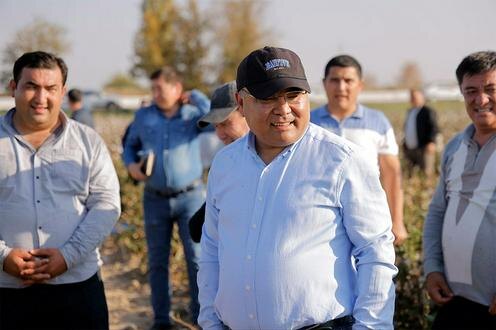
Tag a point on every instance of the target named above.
point(366, 127)
point(302, 240)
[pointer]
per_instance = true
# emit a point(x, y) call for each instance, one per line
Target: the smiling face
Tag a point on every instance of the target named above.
point(275, 124)
point(479, 93)
point(38, 97)
point(342, 86)
point(232, 128)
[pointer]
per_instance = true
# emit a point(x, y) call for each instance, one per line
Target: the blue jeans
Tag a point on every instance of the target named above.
point(160, 215)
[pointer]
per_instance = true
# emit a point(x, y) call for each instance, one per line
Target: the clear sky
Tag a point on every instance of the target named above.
point(381, 34)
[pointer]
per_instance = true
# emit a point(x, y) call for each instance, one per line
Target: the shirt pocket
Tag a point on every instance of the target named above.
point(67, 171)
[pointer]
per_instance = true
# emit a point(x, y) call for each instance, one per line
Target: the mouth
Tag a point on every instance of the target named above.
point(39, 109)
point(282, 124)
point(483, 110)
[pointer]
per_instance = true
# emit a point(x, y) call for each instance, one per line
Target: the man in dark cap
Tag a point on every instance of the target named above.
point(230, 125)
point(297, 232)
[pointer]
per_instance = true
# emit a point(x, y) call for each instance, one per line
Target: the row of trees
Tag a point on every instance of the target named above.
point(204, 44)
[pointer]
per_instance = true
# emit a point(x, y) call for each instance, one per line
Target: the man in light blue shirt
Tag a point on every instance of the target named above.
point(368, 128)
point(174, 189)
point(59, 199)
point(297, 232)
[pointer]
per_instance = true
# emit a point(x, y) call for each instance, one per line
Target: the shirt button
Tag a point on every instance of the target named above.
point(37, 177)
point(253, 225)
point(259, 198)
point(251, 316)
point(247, 288)
point(38, 201)
point(248, 257)
point(39, 227)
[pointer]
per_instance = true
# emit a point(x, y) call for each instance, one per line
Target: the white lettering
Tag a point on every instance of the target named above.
point(276, 63)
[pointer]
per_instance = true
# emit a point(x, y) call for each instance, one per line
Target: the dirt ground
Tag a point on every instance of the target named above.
point(128, 294)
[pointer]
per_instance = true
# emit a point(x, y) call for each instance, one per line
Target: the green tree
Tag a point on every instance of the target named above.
point(172, 35)
point(39, 35)
point(155, 42)
point(240, 31)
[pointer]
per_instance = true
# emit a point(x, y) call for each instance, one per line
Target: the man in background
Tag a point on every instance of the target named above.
point(460, 227)
point(421, 133)
point(59, 199)
point(174, 190)
point(368, 128)
point(229, 125)
point(79, 112)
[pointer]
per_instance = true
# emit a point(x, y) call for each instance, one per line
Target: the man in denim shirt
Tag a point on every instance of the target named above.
point(173, 190)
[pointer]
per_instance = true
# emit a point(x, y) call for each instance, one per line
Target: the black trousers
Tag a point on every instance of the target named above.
point(80, 306)
point(461, 313)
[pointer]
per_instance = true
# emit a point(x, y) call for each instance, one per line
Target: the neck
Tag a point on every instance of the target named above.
point(34, 135)
point(482, 137)
point(170, 111)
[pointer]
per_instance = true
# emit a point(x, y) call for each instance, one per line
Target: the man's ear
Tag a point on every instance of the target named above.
point(12, 87)
point(239, 99)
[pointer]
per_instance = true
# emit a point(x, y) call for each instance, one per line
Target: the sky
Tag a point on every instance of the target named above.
point(382, 34)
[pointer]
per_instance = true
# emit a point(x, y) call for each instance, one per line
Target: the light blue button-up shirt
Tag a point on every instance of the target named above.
point(302, 240)
point(174, 141)
point(64, 195)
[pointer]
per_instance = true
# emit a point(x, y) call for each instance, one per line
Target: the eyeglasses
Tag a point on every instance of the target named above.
point(292, 98)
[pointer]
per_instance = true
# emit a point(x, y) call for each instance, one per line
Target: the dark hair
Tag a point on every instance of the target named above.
point(75, 95)
point(343, 61)
point(475, 63)
point(169, 74)
point(39, 60)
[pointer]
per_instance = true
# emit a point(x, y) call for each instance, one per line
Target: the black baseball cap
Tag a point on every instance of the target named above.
point(222, 104)
point(268, 70)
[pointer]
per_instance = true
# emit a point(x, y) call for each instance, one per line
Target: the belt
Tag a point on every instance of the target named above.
point(344, 322)
point(173, 193)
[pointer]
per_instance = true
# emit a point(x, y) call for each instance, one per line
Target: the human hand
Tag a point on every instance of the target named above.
point(400, 234)
point(492, 307)
point(21, 264)
point(438, 288)
point(430, 148)
point(54, 266)
point(185, 97)
point(134, 170)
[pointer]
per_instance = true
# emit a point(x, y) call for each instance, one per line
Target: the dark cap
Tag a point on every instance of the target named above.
point(269, 70)
point(222, 104)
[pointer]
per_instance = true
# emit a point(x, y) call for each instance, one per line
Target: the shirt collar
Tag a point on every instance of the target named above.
point(358, 113)
point(8, 123)
point(250, 144)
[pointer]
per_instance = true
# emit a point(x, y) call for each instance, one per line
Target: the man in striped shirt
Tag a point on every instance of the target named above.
point(368, 128)
point(460, 228)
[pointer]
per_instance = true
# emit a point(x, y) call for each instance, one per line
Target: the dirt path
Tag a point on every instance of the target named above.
point(128, 294)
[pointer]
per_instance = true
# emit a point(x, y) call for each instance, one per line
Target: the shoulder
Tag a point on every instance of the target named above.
point(89, 138)
point(375, 119)
point(322, 141)
point(317, 113)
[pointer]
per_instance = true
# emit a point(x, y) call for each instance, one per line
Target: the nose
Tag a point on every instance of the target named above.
point(481, 98)
point(281, 107)
point(40, 95)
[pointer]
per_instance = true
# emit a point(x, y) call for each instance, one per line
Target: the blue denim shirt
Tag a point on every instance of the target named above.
point(173, 140)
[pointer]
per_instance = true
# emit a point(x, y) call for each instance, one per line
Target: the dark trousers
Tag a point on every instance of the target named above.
point(71, 306)
point(461, 313)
